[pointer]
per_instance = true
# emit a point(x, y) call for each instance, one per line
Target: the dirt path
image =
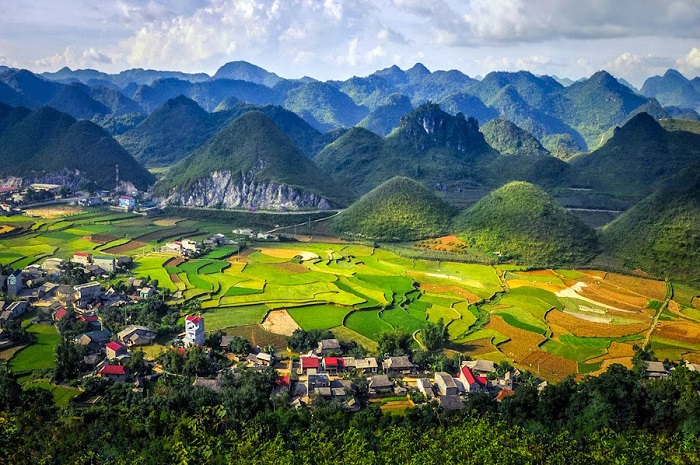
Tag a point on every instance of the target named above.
point(655, 320)
point(280, 322)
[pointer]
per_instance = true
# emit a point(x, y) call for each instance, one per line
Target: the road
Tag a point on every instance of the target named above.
point(50, 202)
point(655, 320)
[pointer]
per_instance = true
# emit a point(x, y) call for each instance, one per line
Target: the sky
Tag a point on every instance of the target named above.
point(338, 39)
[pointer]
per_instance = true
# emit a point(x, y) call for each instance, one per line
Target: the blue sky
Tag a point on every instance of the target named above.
point(336, 39)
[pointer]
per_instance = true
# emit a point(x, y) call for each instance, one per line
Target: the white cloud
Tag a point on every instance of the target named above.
point(74, 59)
point(690, 63)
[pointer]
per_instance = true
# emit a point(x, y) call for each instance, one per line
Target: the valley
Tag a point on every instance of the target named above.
point(552, 322)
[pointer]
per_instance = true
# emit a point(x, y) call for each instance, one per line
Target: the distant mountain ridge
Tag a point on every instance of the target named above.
point(51, 146)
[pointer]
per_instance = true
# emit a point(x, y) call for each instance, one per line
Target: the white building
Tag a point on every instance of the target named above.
point(194, 331)
point(88, 291)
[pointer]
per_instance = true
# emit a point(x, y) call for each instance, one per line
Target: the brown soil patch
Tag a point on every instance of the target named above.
point(684, 331)
point(521, 343)
point(124, 248)
point(549, 273)
point(291, 267)
point(175, 261)
point(279, 253)
point(175, 278)
point(692, 357)
point(456, 290)
point(617, 350)
point(580, 327)
point(596, 274)
point(549, 366)
point(259, 336)
point(4, 229)
point(101, 238)
point(622, 300)
point(551, 287)
point(54, 211)
point(650, 288)
point(446, 243)
point(167, 221)
point(625, 361)
point(478, 347)
point(279, 322)
point(695, 302)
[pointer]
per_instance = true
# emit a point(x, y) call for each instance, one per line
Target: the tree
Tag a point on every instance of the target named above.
point(240, 345)
point(302, 341)
point(10, 390)
point(69, 360)
point(394, 343)
point(15, 331)
point(435, 335)
point(213, 340)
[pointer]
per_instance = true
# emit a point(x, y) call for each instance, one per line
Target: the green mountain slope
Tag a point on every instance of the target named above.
point(244, 71)
point(509, 139)
point(400, 209)
point(661, 234)
point(522, 222)
point(324, 106)
point(249, 163)
point(672, 89)
point(430, 145)
point(383, 119)
point(48, 144)
point(169, 133)
point(637, 158)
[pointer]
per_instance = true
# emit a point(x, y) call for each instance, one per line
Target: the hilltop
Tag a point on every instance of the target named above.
point(399, 209)
point(522, 222)
point(51, 146)
point(249, 163)
point(661, 234)
point(638, 156)
point(509, 139)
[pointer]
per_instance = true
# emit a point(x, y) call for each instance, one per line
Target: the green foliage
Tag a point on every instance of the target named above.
point(434, 335)
point(323, 106)
point(240, 345)
point(661, 234)
point(398, 210)
point(520, 221)
point(509, 139)
point(48, 141)
point(394, 343)
point(303, 341)
point(252, 143)
point(637, 158)
point(386, 117)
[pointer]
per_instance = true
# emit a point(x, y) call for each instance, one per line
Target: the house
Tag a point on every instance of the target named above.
point(398, 365)
point(317, 381)
point(13, 310)
point(146, 292)
point(332, 365)
point(264, 359)
point(366, 365)
point(93, 340)
point(172, 247)
point(308, 365)
point(692, 366)
point(194, 331)
point(655, 370)
point(82, 258)
point(380, 384)
point(91, 319)
point(343, 387)
point(53, 265)
point(215, 385)
point(471, 383)
point(109, 264)
point(134, 335)
point(47, 290)
point(450, 402)
point(425, 387)
point(113, 372)
point(189, 246)
point(88, 292)
point(114, 349)
point(127, 201)
point(328, 346)
point(283, 384)
point(348, 364)
point(64, 290)
point(446, 385)
point(14, 283)
point(59, 314)
point(480, 367)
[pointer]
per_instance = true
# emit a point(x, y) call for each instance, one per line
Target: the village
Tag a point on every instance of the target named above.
point(321, 374)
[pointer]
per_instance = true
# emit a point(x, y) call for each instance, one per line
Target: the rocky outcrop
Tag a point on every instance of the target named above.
point(229, 189)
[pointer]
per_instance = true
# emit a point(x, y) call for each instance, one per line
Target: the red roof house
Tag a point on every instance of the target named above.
point(60, 313)
point(309, 363)
point(282, 383)
point(113, 372)
point(193, 318)
point(471, 382)
point(332, 363)
point(114, 349)
point(88, 318)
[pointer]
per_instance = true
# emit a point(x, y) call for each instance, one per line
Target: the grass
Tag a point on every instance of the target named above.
point(319, 316)
point(346, 334)
point(575, 353)
point(229, 317)
point(367, 323)
point(61, 395)
point(40, 354)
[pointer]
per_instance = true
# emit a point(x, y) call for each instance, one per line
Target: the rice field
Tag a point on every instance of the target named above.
point(563, 321)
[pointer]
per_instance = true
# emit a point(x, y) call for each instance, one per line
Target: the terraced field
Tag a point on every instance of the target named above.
point(554, 322)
